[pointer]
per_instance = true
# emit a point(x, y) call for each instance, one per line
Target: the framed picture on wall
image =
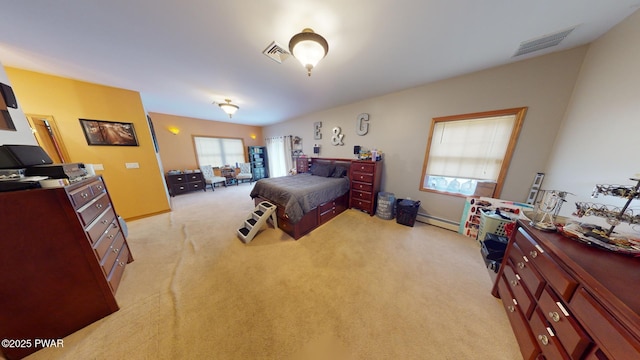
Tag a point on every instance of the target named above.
point(100, 132)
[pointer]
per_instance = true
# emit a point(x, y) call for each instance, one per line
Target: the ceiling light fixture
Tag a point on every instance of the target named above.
point(309, 48)
point(228, 107)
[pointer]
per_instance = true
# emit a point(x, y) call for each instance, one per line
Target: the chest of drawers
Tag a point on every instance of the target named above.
point(62, 257)
point(566, 300)
point(183, 183)
point(365, 184)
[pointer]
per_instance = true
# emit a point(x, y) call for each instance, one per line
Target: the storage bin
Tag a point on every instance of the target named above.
point(406, 211)
point(492, 223)
point(386, 203)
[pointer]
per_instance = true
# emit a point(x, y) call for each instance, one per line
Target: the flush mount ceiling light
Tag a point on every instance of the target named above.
point(309, 48)
point(228, 107)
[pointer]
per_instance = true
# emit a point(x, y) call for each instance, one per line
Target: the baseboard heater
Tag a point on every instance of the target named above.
point(439, 222)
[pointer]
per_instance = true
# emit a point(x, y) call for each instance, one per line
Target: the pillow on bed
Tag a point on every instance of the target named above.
point(339, 172)
point(324, 170)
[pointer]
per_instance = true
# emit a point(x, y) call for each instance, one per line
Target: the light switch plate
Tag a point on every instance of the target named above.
point(133, 165)
point(98, 167)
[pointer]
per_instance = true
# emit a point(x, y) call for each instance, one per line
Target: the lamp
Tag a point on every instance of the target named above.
point(229, 108)
point(174, 130)
point(309, 48)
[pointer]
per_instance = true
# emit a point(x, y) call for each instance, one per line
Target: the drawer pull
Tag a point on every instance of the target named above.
point(104, 221)
point(99, 187)
point(561, 307)
point(554, 316)
point(543, 339)
point(511, 308)
point(121, 264)
point(110, 236)
point(514, 282)
point(520, 265)
point(84, 195)
point(99, 206)
point(533, 253)
point(116, 250)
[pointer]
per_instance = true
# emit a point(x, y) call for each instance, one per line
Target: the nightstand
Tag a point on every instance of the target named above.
point(365, 184)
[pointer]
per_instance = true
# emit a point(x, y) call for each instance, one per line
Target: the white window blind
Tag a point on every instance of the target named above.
point(219, 151)
point(472, 149)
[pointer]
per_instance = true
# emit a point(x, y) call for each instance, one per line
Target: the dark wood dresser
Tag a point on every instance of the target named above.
point(62, 256)
point(365, 178)
point(183, 183)
point(567, 300)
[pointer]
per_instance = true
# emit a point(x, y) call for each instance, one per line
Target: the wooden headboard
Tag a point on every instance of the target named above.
point(343, 162)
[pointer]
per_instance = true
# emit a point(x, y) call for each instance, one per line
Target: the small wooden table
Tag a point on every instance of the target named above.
point(230, 174)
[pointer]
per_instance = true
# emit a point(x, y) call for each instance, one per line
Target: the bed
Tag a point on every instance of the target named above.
point(307, 200)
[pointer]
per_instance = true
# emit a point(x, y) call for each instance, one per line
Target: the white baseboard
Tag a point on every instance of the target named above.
point(443, 223)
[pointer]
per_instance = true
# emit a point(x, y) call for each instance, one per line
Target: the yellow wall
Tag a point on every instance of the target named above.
point(178, 152)
point(135, 192)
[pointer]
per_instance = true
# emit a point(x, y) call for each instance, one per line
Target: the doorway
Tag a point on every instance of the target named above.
point(46, 132)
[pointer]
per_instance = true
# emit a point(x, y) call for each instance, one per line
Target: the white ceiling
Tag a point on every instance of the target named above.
point(183, 55)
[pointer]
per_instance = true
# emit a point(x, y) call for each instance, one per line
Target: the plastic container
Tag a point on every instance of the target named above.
point(492, 223)
point(386, 203)
point(406, 211)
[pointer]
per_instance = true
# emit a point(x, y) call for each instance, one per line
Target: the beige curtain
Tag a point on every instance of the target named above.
point(280, 155)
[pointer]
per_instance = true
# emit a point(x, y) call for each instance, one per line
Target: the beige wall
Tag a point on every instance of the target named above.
point(399, 124)
point(598, 141)
point(135, 192)
point(178, 152)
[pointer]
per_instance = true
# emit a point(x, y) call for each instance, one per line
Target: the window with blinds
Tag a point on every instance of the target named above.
point(218, 152)
point(470, 150)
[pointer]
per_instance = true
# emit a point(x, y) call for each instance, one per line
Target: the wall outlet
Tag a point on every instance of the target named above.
point(133, 165)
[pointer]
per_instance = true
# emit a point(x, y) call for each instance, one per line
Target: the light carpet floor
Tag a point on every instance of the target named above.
point(358, 287)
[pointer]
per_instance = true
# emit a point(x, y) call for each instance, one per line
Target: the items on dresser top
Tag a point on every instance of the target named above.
point(72, 171)
point(20, 156)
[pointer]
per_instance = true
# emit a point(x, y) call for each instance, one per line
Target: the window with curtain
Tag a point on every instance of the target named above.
point(470, 150)
point(279, 149)
point(218, 152)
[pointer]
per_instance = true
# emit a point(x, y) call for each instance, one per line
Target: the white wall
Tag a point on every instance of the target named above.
point(23, 134)
point(399, 124)
point(598, 142)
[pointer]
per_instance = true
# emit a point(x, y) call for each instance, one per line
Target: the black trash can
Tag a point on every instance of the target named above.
point(492, 249)
point(406, 211)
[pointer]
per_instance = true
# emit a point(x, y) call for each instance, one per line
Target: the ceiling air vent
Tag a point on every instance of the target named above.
point(276, 52)
point(544, 42)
